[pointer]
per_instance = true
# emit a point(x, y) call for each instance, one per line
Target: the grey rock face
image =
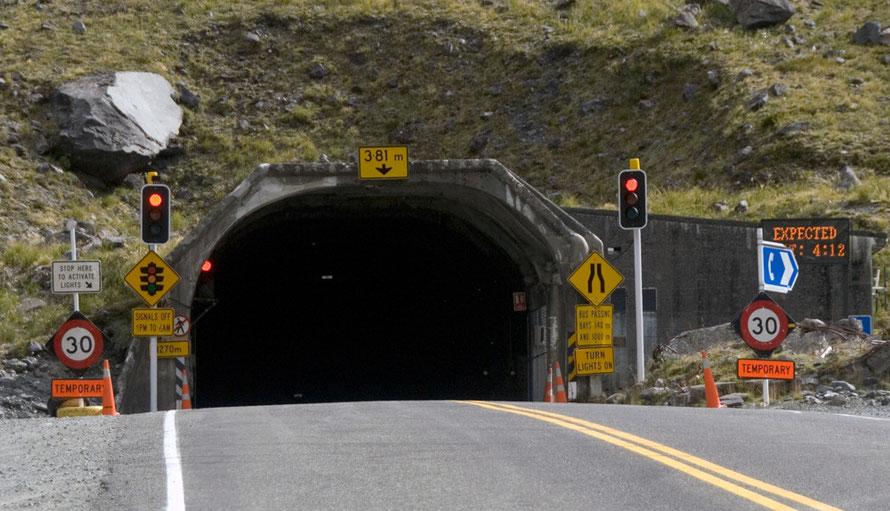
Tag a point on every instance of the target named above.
point(848, 180)
point(114, 124)
point(753, 14)
point(871, 33)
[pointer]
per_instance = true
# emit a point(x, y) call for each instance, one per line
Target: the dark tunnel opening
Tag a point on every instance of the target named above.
point(325, 304)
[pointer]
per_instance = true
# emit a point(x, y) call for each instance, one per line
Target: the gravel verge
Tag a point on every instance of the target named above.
point(51, 463)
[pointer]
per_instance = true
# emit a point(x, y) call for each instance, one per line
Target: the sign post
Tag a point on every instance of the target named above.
point(633, 215)
point(152, 278)
point(78, 343)
point(763, 323)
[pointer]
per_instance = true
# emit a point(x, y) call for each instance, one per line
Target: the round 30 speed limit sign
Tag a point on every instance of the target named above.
point(78, 344)
point(764, 325)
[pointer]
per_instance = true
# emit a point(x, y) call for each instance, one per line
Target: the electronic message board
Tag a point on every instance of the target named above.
point(813, 240)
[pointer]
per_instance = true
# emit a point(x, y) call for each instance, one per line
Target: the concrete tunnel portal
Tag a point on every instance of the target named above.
point(326, 288)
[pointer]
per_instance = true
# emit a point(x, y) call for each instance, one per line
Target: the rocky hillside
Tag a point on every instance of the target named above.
point(788, 115)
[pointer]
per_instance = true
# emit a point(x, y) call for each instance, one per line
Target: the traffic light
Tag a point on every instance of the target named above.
point(155, 214)
point(632, 199)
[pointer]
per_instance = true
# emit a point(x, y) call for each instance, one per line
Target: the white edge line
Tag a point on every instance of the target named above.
point(175, 492)
point(842, 415)
point(862, 417)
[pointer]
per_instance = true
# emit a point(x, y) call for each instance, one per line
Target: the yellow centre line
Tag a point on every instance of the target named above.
point(648, 449)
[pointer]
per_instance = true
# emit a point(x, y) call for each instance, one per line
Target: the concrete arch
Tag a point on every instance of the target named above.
point(544, 242)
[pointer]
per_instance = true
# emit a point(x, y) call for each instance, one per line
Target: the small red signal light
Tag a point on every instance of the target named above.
point(631, 185)
point(206, 266)
point(155, 199)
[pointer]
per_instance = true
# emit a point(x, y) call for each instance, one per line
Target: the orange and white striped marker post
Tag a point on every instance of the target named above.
point(548, 391)
point(560, 387)
point(712, 399)
point(186, 403)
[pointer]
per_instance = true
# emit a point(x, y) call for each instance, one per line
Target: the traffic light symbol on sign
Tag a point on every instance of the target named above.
point(151, 278)
point(632, 199)
point(155, 214)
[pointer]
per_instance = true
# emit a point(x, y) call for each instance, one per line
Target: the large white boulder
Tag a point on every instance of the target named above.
point(113, 124)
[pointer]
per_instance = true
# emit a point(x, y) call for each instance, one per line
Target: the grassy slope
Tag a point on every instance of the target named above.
point(556, 93)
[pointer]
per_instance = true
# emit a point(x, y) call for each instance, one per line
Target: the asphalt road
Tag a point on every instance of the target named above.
point(450, 455)
point(457, 455)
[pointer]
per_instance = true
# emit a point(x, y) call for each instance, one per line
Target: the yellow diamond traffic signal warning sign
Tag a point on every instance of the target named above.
point(151, 278)
point(595, 278)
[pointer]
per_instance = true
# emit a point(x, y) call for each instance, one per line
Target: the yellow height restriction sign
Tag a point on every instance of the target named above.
point(595, 360)
point(386, 162)
point(593, 325)
point(595, 278)
point(152, 322)
point(151, 278)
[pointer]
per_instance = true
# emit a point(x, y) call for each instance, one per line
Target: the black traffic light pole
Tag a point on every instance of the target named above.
point(154, 217)
point(632, 216)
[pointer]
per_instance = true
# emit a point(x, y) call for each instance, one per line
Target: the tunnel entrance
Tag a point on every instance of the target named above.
point(370, 300)
point(330, 287)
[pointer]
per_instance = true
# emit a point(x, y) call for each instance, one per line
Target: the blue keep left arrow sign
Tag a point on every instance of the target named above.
point(779, 268)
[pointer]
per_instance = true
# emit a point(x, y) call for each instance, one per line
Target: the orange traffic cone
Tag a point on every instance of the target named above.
point(711, 397)
point(548, 391)
point(186, 393)
point(107, 392)
point(560, 387)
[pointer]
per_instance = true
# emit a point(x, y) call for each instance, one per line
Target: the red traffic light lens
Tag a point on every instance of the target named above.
point(155, 199)
point(206, 266)
point(631, 185)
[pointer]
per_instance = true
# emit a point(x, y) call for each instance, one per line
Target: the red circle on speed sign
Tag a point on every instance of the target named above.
point(78, 344)
point(764, 325)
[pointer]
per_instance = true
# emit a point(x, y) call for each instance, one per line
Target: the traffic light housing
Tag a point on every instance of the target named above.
point(155, 214)
point(632, 199)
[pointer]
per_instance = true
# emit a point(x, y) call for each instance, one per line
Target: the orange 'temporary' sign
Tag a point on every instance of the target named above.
point(772, 369)
point(78, 388)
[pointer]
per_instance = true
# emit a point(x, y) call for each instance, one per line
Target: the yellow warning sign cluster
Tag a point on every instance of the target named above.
point(595, 279)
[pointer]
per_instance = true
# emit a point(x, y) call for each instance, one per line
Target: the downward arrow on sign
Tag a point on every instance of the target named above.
point(384, 169)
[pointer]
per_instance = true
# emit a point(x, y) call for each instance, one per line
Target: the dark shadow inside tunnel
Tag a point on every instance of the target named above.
point(315, 303)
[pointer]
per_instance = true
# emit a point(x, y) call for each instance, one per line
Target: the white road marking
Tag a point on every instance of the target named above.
point(175, 492)
point(863, 417)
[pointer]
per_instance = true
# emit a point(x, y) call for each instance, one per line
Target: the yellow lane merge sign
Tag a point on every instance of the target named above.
point(595, 360)
point(151, 278)
point(593, 325)
point(152, 322)
point(173, 349)
point(387, 162)
point(595, 278)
